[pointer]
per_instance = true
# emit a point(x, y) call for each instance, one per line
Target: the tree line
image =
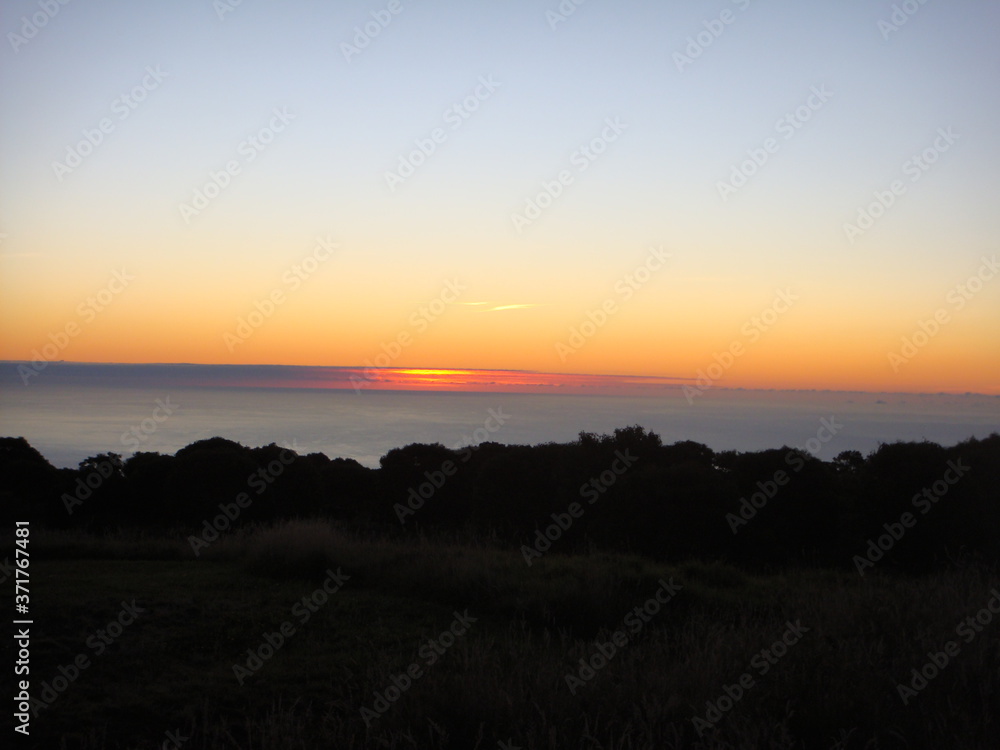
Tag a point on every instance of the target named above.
point(906, 505)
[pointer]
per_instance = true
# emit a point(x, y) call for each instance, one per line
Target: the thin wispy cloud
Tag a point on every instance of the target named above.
point(498, 308)
point(512, 307)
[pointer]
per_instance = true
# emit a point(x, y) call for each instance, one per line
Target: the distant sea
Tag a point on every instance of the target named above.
point(72, 411)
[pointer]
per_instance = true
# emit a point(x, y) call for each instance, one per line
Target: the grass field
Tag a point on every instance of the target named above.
point(469, 647)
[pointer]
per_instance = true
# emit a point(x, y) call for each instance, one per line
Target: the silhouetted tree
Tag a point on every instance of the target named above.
point(773, 507)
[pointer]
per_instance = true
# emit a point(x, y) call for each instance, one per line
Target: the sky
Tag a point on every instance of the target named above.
point(747, 193)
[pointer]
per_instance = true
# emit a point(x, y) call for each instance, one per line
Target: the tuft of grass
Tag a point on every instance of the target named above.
point(121, 544)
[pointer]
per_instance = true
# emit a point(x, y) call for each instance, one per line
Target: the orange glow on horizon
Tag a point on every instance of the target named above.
point(513, 381)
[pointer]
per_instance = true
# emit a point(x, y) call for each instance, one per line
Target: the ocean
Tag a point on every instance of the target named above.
point(70, 412)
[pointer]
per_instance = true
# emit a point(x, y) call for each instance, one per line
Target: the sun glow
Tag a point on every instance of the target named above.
point(433, 373)
point(510, 381)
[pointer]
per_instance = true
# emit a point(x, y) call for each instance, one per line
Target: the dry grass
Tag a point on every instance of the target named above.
point(506, 680)
point(840, 681)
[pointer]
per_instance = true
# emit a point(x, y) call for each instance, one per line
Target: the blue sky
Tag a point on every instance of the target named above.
point(352, 120)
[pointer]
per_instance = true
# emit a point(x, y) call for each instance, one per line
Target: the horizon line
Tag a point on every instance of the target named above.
point(429, 377)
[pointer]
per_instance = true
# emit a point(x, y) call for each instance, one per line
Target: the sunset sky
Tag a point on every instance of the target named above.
point(494, 185)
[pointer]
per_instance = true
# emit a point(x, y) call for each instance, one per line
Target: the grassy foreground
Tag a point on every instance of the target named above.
point(431, 644)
